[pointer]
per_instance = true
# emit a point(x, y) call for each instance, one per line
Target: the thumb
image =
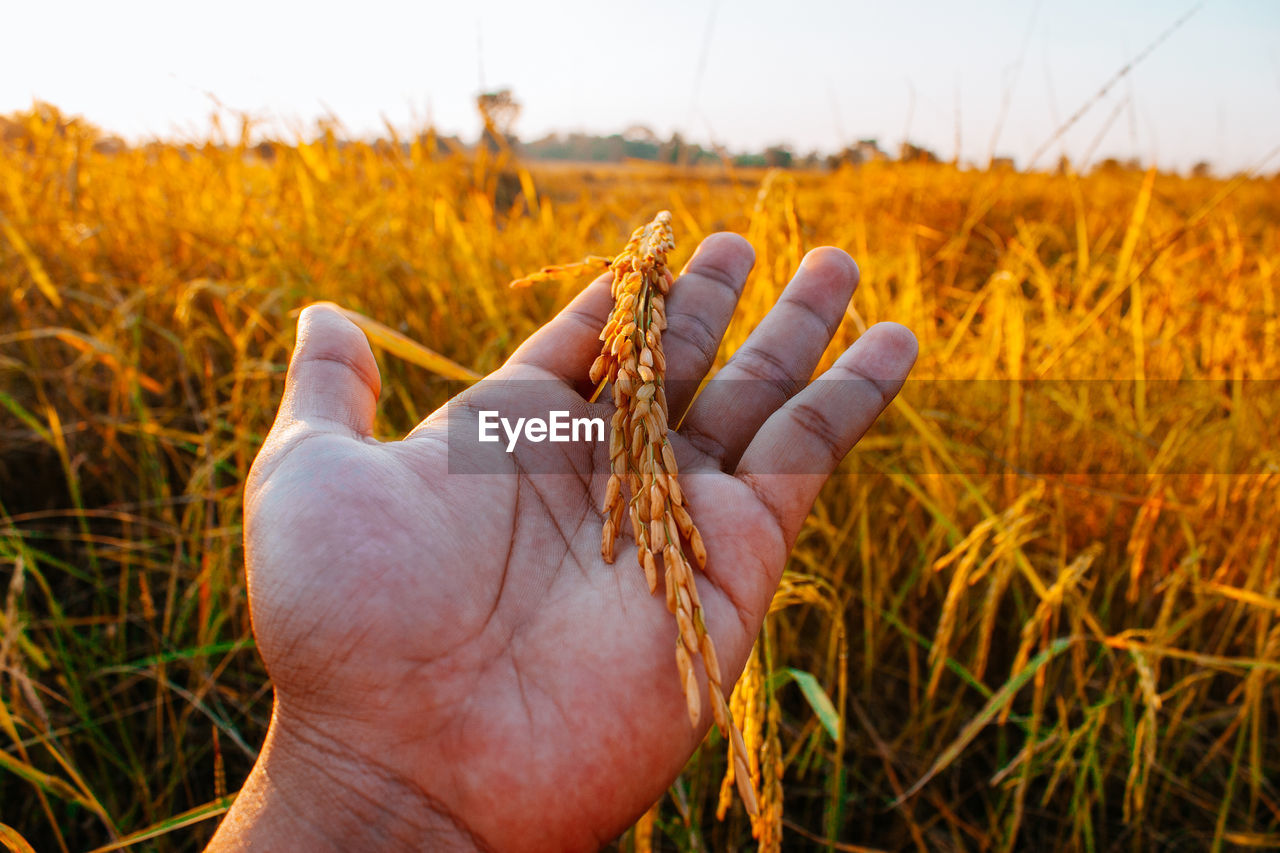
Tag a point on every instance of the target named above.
point(333, 382)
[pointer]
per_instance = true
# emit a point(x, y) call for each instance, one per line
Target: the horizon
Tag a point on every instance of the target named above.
point(821, 159)
point(968, 84)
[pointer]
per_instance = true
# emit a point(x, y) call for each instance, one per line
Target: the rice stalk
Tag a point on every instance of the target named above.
point(643, 461)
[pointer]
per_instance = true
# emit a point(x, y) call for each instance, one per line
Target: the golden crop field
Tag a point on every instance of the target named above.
point(1039, 609)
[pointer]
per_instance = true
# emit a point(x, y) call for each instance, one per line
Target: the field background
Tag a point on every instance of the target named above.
point(1075, 644)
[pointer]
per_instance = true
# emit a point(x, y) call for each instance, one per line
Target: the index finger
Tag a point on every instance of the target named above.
point(566, 346)
point(699, 308)
point(702, 301)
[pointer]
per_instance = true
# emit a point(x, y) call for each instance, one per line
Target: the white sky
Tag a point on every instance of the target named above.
point(809, 73)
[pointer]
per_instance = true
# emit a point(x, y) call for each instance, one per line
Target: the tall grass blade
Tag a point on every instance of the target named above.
point(989, 712)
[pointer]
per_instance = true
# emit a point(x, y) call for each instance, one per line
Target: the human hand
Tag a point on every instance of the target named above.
point(454, 664)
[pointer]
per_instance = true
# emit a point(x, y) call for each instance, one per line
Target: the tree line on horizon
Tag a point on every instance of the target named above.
point(498, 112)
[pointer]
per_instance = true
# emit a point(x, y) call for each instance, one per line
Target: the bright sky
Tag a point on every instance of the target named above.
point(814, 74)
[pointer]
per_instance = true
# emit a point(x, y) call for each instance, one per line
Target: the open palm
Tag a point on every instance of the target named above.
point(453, 662)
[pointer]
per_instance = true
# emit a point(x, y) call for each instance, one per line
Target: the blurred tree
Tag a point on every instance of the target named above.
point(674, 150)
point(912, 153)
point(499, 111)
point(641, 133)
point(863, 151)
point(778, 157)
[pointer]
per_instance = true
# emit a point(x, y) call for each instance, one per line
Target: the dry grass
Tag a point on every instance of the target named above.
point(1107, 673)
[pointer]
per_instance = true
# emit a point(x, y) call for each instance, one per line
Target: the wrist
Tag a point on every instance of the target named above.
point(310, 792)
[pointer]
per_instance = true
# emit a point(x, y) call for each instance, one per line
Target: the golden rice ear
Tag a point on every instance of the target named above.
point(689, 680)
point(637, 530)
point(688, 634)
point(599, 368)
point(642, 833)
point(712, 665)
point(683, 520)
point(650, 571)
point(643, 505)
point(607, 540)
point(669, 461)
point(745, 791)
point(693, 700)
point(671, 562)
point(699, 549)
point(637, 441)
point(673, 531)
point(657, 531)
point(643, 466)
point(726, 791)
point(613, 493)
point(656, 498)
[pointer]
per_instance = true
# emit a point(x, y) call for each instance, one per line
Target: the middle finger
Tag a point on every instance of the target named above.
point(776, 361)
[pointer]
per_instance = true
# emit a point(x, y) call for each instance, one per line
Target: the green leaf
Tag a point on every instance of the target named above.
point(45, 782)
point(988, 713)
point(16, 409)
point(818, 700)
point(213, 808)
point(185, 654)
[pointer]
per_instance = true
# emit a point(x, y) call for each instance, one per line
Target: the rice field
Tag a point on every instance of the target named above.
point(1039, 609)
